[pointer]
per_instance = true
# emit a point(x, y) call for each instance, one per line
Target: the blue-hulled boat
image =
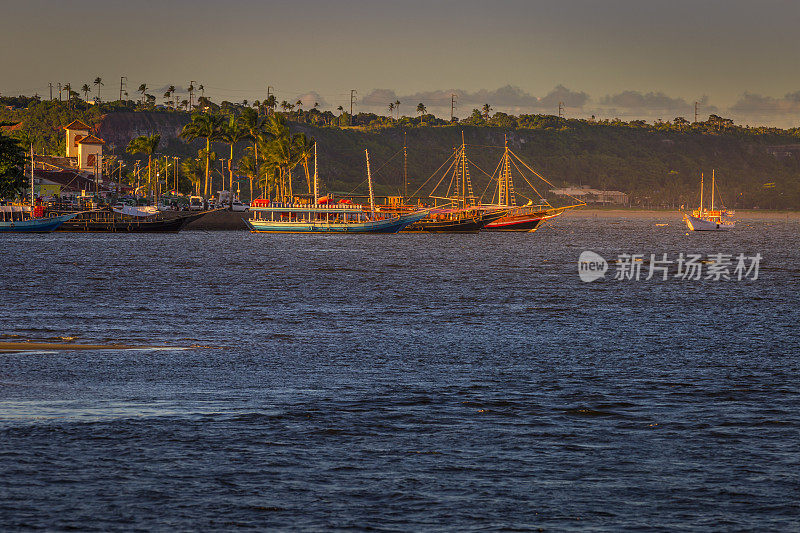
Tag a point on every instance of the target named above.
point(19, 219)
point(279, 217)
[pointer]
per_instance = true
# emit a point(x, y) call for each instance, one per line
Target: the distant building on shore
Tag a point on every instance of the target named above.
point(83, 146)
point(78, 171)
point(593, 196)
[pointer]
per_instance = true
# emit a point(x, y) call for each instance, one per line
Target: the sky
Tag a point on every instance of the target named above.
point(614, 58)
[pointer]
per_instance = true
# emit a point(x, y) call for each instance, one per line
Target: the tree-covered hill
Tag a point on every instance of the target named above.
point(657, 164)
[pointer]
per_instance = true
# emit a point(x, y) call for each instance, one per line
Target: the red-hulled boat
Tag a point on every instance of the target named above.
point(527, 217)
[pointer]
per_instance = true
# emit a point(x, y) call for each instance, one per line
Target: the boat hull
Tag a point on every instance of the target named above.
point(699, 224)
point(471, 224)
point(35, 225)
point(516, 223)
point(110, 222)
point(390, 225)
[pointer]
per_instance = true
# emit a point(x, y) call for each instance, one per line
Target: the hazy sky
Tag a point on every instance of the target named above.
point(625, 58)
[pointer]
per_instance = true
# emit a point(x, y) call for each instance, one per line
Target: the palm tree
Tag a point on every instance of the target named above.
point(185, 104)
point(271, 103)
point(282, 151)
point(305, 150)
point(171, 91)
point(192, 169)
point(486, 110)
point(397, 107)
point(145, 144)
point(143, 90)
point(98, 81)
point(255, 126)
point(68, 89)
point(247, 165)
point(391, 109)
point(85, 90)
point(421, 109)
point(232, 132)
point(203, 126)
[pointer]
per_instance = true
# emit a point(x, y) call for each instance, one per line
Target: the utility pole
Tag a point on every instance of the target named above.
point(453, 98)
point(59, 92)
point(695, 111)
point(51, 90)
point(560, 109)
point(122, 80)
point(191, 93)
point(353, 95)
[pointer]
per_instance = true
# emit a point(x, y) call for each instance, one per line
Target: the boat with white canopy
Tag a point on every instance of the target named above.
point(318, 217)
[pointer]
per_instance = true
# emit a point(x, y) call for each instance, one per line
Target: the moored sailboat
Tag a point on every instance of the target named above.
point(529, 216)
point(712, 219)
point(462, 211)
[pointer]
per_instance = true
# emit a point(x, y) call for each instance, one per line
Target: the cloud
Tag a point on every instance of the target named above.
point(640, 101)
point(648, 106)
point(508, 98)
point(310, 98)
point(764, 106)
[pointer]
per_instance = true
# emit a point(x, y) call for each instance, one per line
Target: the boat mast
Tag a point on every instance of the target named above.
point(463, 170)
point(31, 175)
point(503, 194)
point(701, 193)
point(713, 186)
point(369, 179)
point(316, 190)
point(405, 167)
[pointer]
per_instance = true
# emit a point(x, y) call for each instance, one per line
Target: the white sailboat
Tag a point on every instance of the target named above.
point(713, 219)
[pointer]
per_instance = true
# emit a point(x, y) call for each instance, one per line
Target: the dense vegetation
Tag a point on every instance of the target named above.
point(657, 164)
point(12, 162)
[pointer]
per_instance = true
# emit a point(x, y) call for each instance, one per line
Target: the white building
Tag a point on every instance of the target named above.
point(595, 196)
point(85, 148)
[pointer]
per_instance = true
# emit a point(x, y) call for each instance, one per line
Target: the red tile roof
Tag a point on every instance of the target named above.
point(91, 139)
point(77, 125)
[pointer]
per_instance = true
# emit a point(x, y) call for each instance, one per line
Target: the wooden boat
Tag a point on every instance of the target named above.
point(527, 217)
point(456, 220)
point(23, 219)
point(462, 211)
point(30, 218)
point(712, 219)
point(316, 217)
point(106, 220)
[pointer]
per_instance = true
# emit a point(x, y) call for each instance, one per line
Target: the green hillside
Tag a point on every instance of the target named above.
point(657, 164)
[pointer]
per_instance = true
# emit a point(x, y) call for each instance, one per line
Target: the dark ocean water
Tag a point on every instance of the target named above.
point(408, 382)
